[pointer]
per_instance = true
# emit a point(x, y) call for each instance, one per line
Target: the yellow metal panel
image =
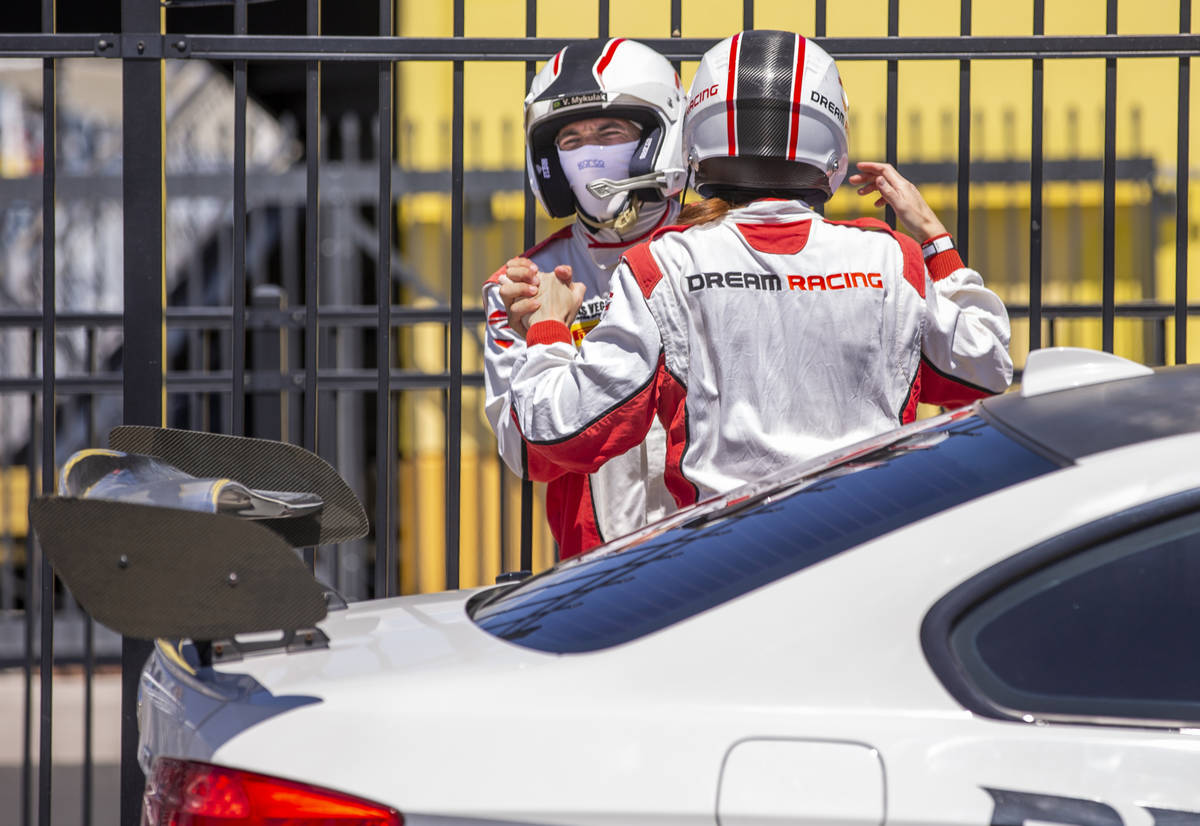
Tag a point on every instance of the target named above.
point(702, 18)
point(574, 19)
point(639, 18)
point(866, 18)
point(788, 15)
point(14, 502)
point(940, 18)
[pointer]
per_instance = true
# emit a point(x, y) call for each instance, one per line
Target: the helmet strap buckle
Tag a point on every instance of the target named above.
point(627, 217)
point(621, 223)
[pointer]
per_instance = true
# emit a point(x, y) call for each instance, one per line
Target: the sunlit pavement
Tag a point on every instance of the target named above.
point(67, 779)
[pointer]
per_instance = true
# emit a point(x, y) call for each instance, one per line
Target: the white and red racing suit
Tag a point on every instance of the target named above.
point(584, 509)
point(760, 340)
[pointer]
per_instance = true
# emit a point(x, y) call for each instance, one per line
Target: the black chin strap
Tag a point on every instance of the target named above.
point(687, 183)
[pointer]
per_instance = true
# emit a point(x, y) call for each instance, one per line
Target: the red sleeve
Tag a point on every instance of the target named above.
point(935, 387)
point(944, 263)
point(612, 434)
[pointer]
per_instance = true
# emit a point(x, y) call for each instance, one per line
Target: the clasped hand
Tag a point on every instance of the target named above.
point(529, 298)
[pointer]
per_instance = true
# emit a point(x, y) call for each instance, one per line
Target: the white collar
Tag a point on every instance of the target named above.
point(774, 211)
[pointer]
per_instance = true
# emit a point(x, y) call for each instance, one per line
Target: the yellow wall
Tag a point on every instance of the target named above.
point(927, 131)
point(14, 504)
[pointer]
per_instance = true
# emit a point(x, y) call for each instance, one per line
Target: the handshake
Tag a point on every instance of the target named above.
point(529, 298)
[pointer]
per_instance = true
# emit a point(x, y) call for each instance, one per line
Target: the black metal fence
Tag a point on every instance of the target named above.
point(252, 361)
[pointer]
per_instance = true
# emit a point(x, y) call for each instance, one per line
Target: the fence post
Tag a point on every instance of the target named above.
point(49, 282)
point(267, 366)
point(143, 186)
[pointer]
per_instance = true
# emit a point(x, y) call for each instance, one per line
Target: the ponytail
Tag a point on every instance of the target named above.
point(703, 212)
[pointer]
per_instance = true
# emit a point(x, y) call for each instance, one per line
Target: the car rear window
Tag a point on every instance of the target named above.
point(618, 595)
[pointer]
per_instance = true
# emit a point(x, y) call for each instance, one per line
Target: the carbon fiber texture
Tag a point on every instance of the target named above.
point(261, 464)
point(766, 67)
point(147, 572)
point(575, 75)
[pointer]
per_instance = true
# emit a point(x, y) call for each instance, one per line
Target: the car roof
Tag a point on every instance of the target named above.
point(1080, 421)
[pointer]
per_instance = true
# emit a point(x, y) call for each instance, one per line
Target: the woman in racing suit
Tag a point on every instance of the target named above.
point(764, 335)
point(607, 113)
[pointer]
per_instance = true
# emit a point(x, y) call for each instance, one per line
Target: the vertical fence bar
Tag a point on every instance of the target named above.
point(237, 345)
point(312, 242)
point(267, 346)
point(454, 392)
point(602, 25)
point(963, 240)
point(196, 340)
point(676, 31)
point(143, 190)
point(1108, 286)
point(529, 229)
point(747, 15)
point(819, 26)
point(1182, 192)
point(819, 30)
point(1036, 170)
point(8, 577)
point(30, 578)
point(893, 95)
point(89, 627)
point(385, 558)
point(49, 264)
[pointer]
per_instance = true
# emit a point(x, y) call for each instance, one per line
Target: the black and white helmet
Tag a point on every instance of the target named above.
point(615, 78)
point(767, 111)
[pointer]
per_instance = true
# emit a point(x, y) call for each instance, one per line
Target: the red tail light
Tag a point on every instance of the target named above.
point(188, 793)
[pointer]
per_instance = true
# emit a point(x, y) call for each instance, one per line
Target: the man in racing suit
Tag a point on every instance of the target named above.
point(607, 112)
point(768, 335)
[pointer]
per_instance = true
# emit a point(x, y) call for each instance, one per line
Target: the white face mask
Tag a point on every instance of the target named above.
point(592, 161)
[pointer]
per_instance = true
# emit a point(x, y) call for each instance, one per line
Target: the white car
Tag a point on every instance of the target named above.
point(989, 617)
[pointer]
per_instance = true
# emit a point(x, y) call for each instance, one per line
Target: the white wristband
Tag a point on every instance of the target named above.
point(935, 245)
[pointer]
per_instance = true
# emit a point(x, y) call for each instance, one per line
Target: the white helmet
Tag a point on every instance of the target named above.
point(767, 112)
point(617, 78)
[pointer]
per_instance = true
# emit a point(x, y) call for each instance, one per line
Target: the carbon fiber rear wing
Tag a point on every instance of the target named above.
point(150, 564)
point(258, 464)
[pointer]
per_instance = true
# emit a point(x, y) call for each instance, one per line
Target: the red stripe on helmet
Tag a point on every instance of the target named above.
point(608, 56)
point(730, 116)
point(797, 99)
point(557, 57)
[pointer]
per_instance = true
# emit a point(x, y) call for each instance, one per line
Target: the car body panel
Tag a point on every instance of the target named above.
point(766, 781)
point(417, 707)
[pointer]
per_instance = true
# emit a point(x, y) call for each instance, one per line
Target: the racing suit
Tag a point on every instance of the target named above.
point(584, 509)
point(761, 340)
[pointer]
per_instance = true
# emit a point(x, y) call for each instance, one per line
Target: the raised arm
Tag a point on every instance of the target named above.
point(965, 348)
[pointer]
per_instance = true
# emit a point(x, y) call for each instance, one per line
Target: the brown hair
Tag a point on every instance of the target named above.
point(702, 212)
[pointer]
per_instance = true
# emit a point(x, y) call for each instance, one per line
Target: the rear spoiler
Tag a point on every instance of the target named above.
point(188, 570)
point(261, 464)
